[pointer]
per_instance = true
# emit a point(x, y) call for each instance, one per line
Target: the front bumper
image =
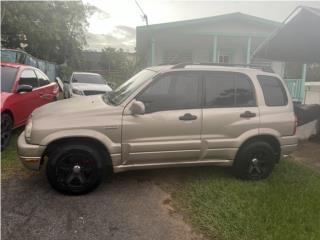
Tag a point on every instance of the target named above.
point(29, 154)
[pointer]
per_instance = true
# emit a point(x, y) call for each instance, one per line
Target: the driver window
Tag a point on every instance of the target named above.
point(42, 78)
point(173, 91)
point(28, 77)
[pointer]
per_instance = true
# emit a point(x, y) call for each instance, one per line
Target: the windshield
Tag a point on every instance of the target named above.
point(127, 88)
point(88, 78)
point(8, 76)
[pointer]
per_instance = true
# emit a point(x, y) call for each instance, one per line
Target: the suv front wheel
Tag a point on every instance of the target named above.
point(255, 161)
point(75, 168)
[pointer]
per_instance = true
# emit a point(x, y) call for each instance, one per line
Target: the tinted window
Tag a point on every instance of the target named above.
point(42, 78)
point(273, 91)
point(88, 78)
point(223, 89)
point(8, 76)
point(172, 91)
point(245, 96)
point(28, 77)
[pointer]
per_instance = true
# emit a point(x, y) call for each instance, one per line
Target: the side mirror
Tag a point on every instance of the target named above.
point(137, 108)
point(24, 88)
point(60, 83)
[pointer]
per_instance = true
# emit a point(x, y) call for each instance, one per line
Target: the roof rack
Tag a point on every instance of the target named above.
point(262, 67)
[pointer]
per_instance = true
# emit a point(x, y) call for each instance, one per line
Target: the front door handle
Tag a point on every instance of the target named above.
point(46, 95)
point(187, 117)
point(247, 114)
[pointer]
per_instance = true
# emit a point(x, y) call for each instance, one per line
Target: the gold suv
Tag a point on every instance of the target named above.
point(164, 116)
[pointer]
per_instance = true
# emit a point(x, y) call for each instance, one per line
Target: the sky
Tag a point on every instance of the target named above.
point(114, 25)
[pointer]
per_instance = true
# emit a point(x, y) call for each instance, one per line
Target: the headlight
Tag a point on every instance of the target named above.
point(77, 91)
point(28, 130)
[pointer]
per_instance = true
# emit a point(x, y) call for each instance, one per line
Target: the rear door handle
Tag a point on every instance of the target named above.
point(187, 117)
point(248, 114)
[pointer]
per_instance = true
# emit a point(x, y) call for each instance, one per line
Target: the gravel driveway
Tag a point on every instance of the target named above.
point(127, 206)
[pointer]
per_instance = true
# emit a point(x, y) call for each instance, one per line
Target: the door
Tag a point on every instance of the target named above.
point(26, 102)
point(46, 89)
point(169, 131)
point(230, 113)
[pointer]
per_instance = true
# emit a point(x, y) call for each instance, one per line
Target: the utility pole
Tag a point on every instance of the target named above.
point(144, 16)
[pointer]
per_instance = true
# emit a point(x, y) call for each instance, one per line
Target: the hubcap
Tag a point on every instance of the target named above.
point(76, 170)
point(257, 166)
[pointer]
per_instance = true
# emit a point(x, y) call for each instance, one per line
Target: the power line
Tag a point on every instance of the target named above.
point(144, 16)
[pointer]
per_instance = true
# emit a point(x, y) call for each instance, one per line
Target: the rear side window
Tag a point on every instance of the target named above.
point(8, 76)
point(273, 91)
point(225, 89)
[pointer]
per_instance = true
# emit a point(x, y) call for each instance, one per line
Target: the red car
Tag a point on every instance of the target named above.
point(23, 88)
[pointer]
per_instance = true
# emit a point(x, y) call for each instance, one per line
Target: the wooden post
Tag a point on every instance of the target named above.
point(153, 52)
point(249, 50)
point(302, 82)
point(215, 48)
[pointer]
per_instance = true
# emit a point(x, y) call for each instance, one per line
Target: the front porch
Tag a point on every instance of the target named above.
point(222, 48)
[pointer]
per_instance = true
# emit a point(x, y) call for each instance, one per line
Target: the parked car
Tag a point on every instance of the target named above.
point(84, 84)
point(164, 116)
point(23, 88)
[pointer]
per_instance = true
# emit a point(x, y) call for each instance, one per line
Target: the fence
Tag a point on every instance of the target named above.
point(18, 56)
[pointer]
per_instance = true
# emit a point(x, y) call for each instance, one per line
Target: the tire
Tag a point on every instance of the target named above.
point(75, 169)
point(255, 161)
point(6, 130)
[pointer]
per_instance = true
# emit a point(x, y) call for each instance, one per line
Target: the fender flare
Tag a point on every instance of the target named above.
point(111, 146)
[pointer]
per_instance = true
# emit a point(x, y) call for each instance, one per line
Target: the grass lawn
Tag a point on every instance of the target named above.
point(284, 206)
point(10, 164)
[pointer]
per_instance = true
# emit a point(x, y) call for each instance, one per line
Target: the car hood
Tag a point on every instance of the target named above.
point(92, 87)
point(75, 115)
point(72, 107)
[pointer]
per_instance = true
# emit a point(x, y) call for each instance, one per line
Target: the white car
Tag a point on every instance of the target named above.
point(84, 84)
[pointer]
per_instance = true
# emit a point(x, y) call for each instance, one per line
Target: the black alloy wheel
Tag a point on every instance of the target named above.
point(75, 169)
point(255, 161)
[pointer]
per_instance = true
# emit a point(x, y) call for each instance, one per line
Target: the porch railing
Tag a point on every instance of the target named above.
point(295, 88)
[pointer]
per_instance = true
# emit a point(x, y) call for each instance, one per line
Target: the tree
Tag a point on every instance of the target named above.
point(118, 64)
point(313, 73)
point(50, 30)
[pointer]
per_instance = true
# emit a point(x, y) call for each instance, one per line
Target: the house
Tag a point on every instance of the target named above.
point(230, 38)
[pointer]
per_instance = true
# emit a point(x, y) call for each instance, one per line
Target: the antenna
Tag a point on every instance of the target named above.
point(144, 16)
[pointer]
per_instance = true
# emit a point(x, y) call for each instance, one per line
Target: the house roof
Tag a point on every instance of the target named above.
point(211, 19)
point(297, 40)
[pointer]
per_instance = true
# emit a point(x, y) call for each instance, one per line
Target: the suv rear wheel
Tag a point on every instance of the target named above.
point(75, 168)
point(255, 161)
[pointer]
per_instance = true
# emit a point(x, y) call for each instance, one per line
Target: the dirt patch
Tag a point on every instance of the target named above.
point(127, 206)
point(308, 153)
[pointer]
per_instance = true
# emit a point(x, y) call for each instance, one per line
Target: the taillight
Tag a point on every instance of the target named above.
point(295, 125)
